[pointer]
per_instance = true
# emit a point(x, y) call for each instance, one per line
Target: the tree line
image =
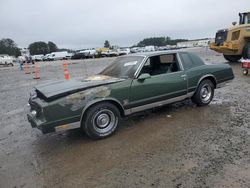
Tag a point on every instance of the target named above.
point(40, 47)
point(8, 46)
point(159, 41)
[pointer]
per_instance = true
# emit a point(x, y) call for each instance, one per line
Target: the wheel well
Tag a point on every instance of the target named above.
point(212, 79)
point(119, 107)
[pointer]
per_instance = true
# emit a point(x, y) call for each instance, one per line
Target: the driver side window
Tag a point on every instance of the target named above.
point(160, 64)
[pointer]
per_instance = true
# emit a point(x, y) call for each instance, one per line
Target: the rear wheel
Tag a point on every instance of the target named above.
point(101, 120)
point(232, 58)
point(204, 93)
point(246, 51)
point(245, 72)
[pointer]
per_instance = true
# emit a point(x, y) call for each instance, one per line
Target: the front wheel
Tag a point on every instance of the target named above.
point(232, 58)
point(204, 93)
point(101, 120)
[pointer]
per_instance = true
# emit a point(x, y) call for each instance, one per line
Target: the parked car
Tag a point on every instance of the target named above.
point(6, 60)
point(123, 51)
point(130, 84)
point(110, 53)
point(89, 53)
point(78, 55)
point(47, 57)
point(37, 57)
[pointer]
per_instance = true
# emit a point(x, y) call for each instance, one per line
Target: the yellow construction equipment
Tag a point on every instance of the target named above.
point(234, 42)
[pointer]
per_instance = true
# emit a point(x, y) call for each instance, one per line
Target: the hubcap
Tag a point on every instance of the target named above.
point(206, 93)
point(104, 121)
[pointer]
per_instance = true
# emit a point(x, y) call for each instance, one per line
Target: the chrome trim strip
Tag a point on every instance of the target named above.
point(69, 126)
point(190, 94)
point(140, 67)
point(127, 112)
point(156, 104)
point(160, 96)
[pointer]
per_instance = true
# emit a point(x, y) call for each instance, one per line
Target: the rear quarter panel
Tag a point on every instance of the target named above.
point(221, 72)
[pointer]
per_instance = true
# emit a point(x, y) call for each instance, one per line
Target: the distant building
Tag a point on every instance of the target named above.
point(194, 43)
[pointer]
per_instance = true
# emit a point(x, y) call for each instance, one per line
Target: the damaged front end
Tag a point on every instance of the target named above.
point(55, 107)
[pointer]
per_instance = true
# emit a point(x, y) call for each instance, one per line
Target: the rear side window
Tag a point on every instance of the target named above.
point(190, 60)
point(186, 61)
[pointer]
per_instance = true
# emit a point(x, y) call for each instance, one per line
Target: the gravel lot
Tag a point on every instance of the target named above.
point(179, 145)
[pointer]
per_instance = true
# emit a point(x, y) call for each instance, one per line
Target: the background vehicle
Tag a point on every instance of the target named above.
point(46, 57)
point(59, 56)
point(78, 55)
point(89, 53)
point(149, 48)
point(5, 59)
point(234, 42)
point(130, 84)
point(123, 51)
point(37, 57)
point(110, 53)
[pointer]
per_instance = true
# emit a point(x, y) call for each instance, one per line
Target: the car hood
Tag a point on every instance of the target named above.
point(53, 90)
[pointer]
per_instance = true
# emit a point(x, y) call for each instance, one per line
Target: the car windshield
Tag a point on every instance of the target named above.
point(123, 67)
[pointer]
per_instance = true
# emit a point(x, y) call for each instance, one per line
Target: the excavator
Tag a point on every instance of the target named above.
point(234, 42)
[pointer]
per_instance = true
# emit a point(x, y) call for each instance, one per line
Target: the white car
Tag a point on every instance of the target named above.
point(6, 60)
point(37, 57)
point(123, 51)
point(89, 53)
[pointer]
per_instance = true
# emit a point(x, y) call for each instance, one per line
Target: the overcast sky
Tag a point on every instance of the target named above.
point(87, 23)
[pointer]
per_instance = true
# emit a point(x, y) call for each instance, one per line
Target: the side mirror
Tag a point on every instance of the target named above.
point(144, 76)
point(234, 23)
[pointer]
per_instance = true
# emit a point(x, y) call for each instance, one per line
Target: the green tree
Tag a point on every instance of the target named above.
point(106, 44)
point(159, 41)
point(52, 47)
point(8, 46)
point(40, 47)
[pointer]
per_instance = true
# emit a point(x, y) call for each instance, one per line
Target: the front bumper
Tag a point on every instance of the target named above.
point(228, 48)
point(49, 127)
point(32, 121)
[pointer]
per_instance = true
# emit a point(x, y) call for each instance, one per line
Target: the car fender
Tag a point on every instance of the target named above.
point(108, 99)
point(206, 76)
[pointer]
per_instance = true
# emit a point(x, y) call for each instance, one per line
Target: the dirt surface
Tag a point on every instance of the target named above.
point(179, 145)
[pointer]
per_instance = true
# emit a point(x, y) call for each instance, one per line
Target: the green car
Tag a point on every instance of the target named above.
point(130, 84)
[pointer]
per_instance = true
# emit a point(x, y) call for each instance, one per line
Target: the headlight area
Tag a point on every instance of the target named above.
point(35, 113)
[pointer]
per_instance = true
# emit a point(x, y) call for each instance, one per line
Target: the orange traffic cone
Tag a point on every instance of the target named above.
point(36, 72)
point(64, 66)
point(66, 72)
point(26, 68)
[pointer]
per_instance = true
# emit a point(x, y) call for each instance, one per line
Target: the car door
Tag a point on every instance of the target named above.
point(159, 87)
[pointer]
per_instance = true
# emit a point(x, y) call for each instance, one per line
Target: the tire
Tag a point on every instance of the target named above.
point(245, 72)
point(101, 120)
point(204, 93)
point(232, 58)
point(246, 51)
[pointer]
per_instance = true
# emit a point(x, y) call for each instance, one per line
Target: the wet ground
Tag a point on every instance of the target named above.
point(179, 145)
